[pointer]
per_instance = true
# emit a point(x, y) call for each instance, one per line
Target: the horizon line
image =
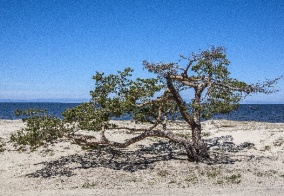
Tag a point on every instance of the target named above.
point(82, 100)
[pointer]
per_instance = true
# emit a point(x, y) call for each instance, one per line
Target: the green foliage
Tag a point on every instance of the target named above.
point(116, 95)
point(211, 62)
point(207, 74)
point(88, 185)
point(86, 115)
point(222, 93)
point(40, 129)
point(213, 173)
point(234, 179)
point(219, 100)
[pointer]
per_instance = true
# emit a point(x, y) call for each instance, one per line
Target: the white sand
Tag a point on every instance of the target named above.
point(259, 170)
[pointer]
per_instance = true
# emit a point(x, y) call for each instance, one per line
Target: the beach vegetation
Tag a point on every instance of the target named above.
point(195, 88)
point(267, 148)
point(234, 178)
point(41, 128)
point(163, 173)
point(191, 179)
point(88, 185)
point(212, 173)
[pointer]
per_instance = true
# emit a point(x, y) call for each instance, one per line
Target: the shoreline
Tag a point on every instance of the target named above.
point(65, 169)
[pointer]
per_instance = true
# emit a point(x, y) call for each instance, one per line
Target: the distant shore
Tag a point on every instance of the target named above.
point(254, 156)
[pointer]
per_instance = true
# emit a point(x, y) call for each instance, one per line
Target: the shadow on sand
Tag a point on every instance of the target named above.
point(143, 158)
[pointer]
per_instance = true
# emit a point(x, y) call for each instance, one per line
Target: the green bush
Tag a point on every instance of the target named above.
point(41, 128)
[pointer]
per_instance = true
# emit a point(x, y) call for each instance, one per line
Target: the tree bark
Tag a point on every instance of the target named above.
point(198, 143)
point(179, 101)
point(188, 145)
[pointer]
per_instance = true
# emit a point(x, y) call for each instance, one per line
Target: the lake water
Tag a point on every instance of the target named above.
point(56, 109)
point(247, 112)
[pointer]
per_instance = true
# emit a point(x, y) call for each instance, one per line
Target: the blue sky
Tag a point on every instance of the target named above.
point(51, 49)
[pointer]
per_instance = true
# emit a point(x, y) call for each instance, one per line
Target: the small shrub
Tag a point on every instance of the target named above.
point(266, 173)
point(40, 129)
point(213, 173)
point(88, 185)
point(266, 148)
point(234, 179)
point(163, 173)
point(220, 182)
point(191, 179)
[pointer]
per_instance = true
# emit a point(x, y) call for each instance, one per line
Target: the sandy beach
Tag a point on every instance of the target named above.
point(249, 161)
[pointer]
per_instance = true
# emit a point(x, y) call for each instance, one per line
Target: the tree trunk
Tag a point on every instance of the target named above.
point(198, 144)
point(198, 149)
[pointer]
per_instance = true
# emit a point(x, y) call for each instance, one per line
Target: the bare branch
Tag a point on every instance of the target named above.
point(151, 133)
point(188, 66)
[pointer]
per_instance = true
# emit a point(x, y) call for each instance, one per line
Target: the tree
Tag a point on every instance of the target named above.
point(214, 91)
point(158, 100)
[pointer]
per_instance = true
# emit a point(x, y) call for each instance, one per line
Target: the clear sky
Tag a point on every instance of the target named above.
point(50, 49)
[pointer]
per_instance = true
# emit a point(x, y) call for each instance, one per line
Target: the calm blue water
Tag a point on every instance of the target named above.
point(247, 112)
point(56, 109)
point(257, 112)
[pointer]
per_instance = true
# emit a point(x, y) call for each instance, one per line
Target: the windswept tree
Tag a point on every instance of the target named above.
point(214, 90)
point(156, 100)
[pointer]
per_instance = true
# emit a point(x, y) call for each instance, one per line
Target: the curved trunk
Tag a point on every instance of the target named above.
point(188, 145)
point(199, 148)
point(179, 101)
point(198, 143)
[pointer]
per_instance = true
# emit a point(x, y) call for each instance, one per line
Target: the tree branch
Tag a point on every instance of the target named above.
point(150, 133)
point(189, 81)
point(188, 66)
point(179, 101)
point(162, 99)
point(254, 88)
